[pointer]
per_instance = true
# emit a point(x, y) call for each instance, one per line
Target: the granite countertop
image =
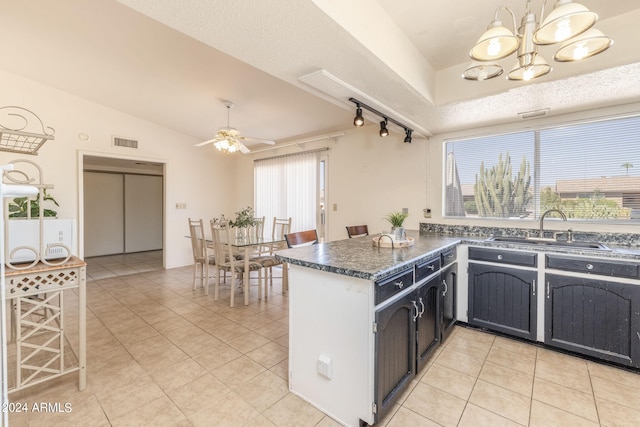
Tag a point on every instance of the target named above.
point(614, 251)
point(358, 257)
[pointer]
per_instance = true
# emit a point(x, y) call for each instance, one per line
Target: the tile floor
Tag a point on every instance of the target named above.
point(162, 354)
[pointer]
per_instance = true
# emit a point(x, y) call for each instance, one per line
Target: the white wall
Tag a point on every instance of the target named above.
point(195, 176)
point(368, 177)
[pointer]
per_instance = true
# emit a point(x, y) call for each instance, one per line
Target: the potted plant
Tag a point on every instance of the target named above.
point(22, 207)
point(396, 219)
point(244, 218)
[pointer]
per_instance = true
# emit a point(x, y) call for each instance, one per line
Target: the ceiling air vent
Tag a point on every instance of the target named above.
point(124, 142)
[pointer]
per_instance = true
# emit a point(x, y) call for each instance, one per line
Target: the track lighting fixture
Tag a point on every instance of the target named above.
point(384, 131)
point(383, 128)
point(358, 120)
point(407, 137)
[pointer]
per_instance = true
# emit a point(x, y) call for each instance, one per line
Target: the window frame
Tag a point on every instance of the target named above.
point(534, 167)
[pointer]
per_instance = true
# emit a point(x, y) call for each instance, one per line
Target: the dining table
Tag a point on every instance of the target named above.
point(244, 245)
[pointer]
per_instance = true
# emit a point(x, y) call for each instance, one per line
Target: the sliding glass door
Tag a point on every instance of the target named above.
point(290, 186)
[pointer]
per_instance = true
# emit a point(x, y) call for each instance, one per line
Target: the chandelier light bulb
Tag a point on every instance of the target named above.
point(580, 52)
point(528, 74)
point(586, 45)
point(563, 30)
point(494, 47)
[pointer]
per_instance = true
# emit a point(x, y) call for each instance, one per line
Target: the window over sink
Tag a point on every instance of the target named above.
point(589, 170)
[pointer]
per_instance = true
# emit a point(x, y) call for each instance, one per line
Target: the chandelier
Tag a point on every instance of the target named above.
point(568, 23)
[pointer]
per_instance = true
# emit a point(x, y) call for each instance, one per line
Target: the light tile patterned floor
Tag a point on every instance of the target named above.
point(162, 354)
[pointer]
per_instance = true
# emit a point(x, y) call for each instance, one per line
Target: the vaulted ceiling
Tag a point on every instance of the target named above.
point(290, 66)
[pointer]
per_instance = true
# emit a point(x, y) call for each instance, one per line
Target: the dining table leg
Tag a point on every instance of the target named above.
point(246, 276)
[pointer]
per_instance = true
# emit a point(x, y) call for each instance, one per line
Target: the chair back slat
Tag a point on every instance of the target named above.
point(198, 242)
point(308, 237)
point(223, 251)
point(258, 228)
point(357, 230)
point(281, 226)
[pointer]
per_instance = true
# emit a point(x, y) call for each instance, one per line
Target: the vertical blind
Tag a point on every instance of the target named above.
point(590, 171)
point(286, 186)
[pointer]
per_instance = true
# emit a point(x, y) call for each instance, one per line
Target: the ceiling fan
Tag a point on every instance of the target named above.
point(228, 139)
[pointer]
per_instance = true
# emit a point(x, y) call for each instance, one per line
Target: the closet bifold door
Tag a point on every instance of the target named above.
point(142, 213)
point(103, 219)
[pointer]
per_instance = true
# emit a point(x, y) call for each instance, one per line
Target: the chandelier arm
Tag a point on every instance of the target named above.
point(513, 17)
point(544, 3)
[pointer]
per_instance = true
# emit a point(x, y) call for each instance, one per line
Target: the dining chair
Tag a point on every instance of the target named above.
point(301, 238)
point(227, 260)
point(201, 258)
point(258, 228)
point(357, 230)
point(281, 227)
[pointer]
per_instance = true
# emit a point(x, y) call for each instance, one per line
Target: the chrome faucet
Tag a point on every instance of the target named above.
point(542, 217)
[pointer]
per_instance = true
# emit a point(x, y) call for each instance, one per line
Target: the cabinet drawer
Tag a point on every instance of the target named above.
point(593, 266)
point(427, 268)
point(448, 257)
point(528, 259)
point(388, 287)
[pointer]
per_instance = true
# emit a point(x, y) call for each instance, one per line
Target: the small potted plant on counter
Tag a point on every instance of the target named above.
point(396, 219)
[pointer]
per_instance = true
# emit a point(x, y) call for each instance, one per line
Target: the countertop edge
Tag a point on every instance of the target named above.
point(448, 242)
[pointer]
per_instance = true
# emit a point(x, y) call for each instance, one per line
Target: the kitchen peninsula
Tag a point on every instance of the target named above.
point(364, 320)
point(353, 310)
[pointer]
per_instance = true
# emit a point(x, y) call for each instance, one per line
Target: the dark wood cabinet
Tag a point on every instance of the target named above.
point(449, 290)
point(395, 349)
point(408, 330)
point(503, 299)
point(427, 320)
point(594, 317)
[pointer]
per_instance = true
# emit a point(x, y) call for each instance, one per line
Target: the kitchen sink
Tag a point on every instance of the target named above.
point(549, 242)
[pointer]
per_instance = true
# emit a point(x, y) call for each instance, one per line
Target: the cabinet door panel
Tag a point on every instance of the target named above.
point(395, 351)
point(593, 317)
point(448, 308)
point(503, 299)
point(428, 321)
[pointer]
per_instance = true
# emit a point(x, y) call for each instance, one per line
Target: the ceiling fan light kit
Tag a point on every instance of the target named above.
point(228, 139)
point(568, 23)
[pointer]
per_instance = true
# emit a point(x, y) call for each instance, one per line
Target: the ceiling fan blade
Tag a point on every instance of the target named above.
point(206, 142)
point(259, 140)
point(243, 148)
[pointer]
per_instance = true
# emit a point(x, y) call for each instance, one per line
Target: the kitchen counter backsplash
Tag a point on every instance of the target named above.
point(618, 239)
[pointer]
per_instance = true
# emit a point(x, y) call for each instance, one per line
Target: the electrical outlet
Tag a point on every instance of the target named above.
point(405, 211)
point(325, 366)
point(427, 213)
point(181, 206)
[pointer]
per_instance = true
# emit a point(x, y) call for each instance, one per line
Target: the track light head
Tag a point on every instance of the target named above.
point(358, 120)
point(383, 128)
point(384, 131)
point(407, 137)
